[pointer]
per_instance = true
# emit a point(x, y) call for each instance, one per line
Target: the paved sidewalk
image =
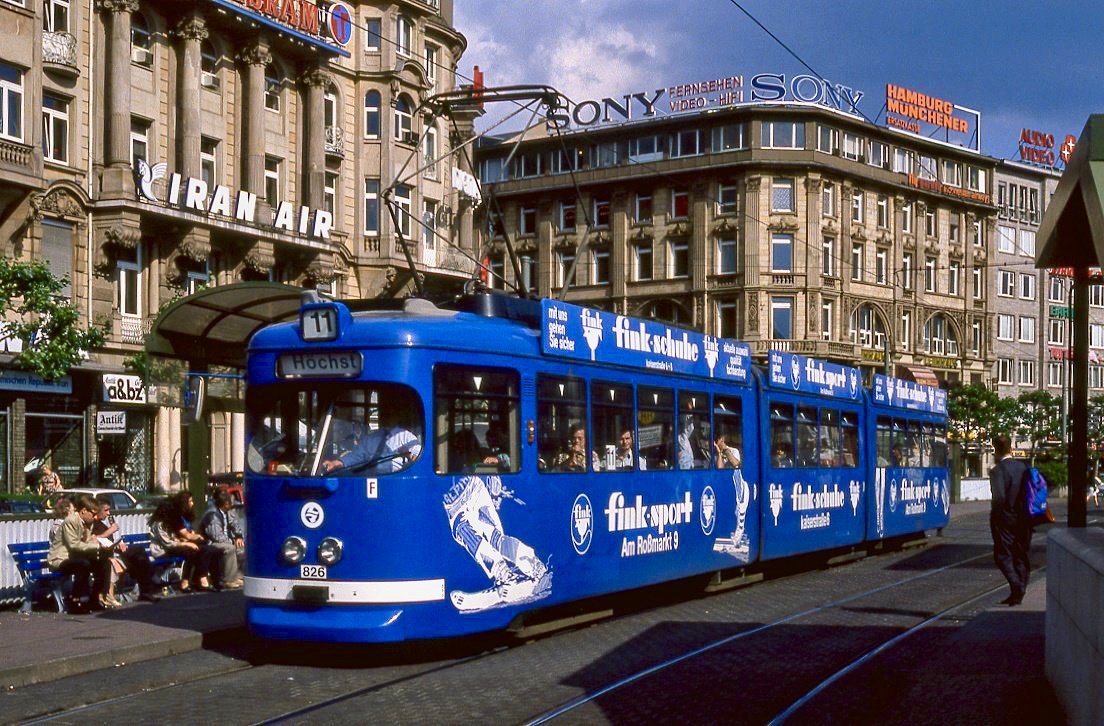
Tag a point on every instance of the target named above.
point(46, 646)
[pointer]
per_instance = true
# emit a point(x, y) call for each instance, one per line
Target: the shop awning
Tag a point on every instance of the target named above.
point(213, 326)
point(923, 375)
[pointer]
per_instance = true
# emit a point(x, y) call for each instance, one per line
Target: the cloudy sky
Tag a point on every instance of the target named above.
point(1038, 65)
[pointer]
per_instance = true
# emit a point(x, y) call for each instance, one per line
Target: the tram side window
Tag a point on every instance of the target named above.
point(884, 440)
point(655, 426)
point(782, 435)
point(563, 441)
point(912, 444)
point(939, 446)
point(806, 437)
point(849, 429)
point(829, 439)
point(728, 435)
point(924, 450)
point(899, 455)
point(476, 420)
point(611, 425)
point(694, 448)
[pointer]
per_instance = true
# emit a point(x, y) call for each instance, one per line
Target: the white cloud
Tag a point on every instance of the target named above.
point(602, 61)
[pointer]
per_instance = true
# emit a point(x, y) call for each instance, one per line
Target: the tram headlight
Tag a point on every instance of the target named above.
point(330, 550)
point(293, 550)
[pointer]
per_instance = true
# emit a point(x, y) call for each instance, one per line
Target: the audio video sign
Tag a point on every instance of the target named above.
point(325, 25)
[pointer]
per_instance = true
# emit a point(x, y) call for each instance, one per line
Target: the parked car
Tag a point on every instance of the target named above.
point(121, 499)
point(21, 504)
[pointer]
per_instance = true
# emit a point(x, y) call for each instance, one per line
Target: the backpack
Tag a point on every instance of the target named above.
point(1035, 493)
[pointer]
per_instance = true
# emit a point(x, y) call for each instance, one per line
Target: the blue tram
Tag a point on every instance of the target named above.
point(424, 472)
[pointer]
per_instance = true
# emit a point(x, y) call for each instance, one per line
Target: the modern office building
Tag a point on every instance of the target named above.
point(792, 226)
point(151, 149)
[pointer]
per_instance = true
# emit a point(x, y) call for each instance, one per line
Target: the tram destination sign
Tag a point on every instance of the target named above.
point(908, 395)
point(571, 331)
point(797, 373)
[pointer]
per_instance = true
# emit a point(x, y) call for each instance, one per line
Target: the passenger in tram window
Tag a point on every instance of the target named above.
point(782, 456)
point(850, 447)
point(623, 457)
point(575, 457)
point(900, 456)
point(463, 451)
point(497, 444)
point(727, 456)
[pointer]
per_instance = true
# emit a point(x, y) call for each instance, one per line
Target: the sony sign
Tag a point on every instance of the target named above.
point(718, 92)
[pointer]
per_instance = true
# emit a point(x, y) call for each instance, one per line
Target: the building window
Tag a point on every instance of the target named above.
point(1057, 290)
point(55, 129)
point(1006, 239)
point(604, 155)
point(431, 64)
point(906, 217)
point(926, 168)
point(601, 211)
point(929, 275)
point(1096, 376)
point(1027, 242)
point(566, 262)
point(952, 173)
point(1027, 329)
point(208, 158)
point(1056, 334)
point(1055, 371)
point(273, 178)
point(828, 256)
point(857, 206)
point(11, 102)
point(783, 134)
point(906, 271)
point(128, 268)
point(680, 204)
point(828, 200)
point(680, 258)
point(979, 283)
point(865, 327)
point(527, 165)
point(208, 66)
point(975, 337)
point(685, 143)
point(373, 29)
point(852, 147)
point(55, 16)
point(856, 262)
point(272, 88)
point(643, 209)
point(567, 216)
point(726, 318)
point(782, 195)
point(827, 139)
point(879, 154)
point(141, 45)
point(371, 207)
point(372, 115)
point(496, 272)
point(601, 258)
point(952, 221)
point(1027, 286)
point(975, 178)
point(527, 220)
point(827, 309)
point(404, 35)
point(139, 142)
point(1005, 325)
point(402, 200)
point(429, 153)
point(730, 137)
point(906, 330)
point(644, 149)
point(782, 318)
point(728, 198)
point(977, 234)
point(883, 211)
point(902, 161)
point(1096, 335)
point(782, 253)
point(727, 259)
point(1004, 371)
point(954, 270)
point(403, 121)
point(329, 193)
point(1096, 296)
point(642, 261)
point(881, 266)
point(1027, 373)
point(939, 337)
point(1006, 283)
point(929, 222)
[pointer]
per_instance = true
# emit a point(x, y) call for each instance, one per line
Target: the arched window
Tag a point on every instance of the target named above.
point(940, 337)
point(141, 42)
point(272, 88)
point(866, 327)
point(403, 120)
point(372, 115)
point(208, 66)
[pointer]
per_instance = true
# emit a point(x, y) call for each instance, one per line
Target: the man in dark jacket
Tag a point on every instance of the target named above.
point(1008, 520)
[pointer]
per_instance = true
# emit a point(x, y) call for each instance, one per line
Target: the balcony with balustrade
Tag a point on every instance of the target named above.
point(59, 53)
point(335, 141)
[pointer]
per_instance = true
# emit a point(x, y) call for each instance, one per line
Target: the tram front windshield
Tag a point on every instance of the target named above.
point(338, 429)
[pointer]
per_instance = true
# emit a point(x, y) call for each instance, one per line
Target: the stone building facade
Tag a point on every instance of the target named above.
point(150, 149)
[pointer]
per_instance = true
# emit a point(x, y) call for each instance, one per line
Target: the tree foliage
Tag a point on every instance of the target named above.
point(975, 413)
point(47, 323)
point(1038, 417)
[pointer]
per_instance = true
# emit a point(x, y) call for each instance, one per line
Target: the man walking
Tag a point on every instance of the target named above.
point(1008, 520)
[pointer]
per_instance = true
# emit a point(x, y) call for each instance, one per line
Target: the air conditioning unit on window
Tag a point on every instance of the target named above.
point(209, 80)
point(141, 56)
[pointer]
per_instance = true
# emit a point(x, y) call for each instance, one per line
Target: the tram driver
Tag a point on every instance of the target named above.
point(392, 447)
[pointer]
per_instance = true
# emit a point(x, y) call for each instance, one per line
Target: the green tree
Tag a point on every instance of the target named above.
point(974, 414)
point(1038, 418)
point(48, 324)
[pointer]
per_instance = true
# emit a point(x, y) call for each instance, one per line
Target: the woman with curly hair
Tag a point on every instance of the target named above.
point(171, 534)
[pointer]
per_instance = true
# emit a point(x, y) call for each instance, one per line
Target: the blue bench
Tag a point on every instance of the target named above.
point(30, 559)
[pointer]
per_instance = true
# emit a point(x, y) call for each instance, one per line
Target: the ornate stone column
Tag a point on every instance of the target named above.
point(254, 58)
point(191, 31)
point(315, 80)
point(118, 178)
